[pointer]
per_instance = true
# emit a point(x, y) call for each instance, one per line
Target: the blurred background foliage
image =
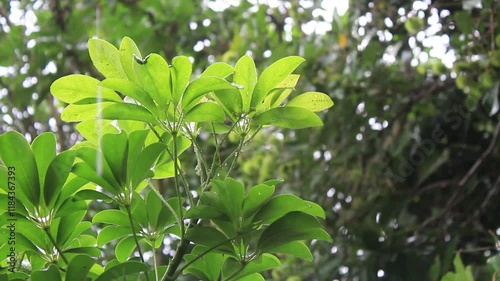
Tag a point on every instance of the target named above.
point(408, 168)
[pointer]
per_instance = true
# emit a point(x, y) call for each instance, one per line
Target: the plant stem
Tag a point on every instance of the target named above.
point(199, 257)
point(155, 265)
point(133, 232)
point(176, 261)
point(183, 244)
point(59, 251)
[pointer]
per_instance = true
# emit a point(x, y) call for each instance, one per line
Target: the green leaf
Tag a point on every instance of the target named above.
point(51, 273)
point(260, 264)
point(124, 248)
point(312, 101)
point(282, 204)
point(93, 129)
point(44, 150)
point(256, 197)
point(230, 100)
point(135, 144)
point(201, 86)
point(154, 207)
point(154, 74)
point(289, 82)
point(206, 236)
point(294, 248)
point(145, 161)
point(128, 49)
point(76, 87)
point(89, 194)
point(232, 194)
point(132, 90)
point(114, 217)
point(272, 76)
point(57, 174)
point(106, 58)
point(127, 111)
point(69, 227)
point(119, 271)
point(181, 73)
point(79, 267)
point(289, 117)
point(245, 75)
point(16, 152)
point(203, 212)
point(218, 69)
point(291, 227)
point(95, 168)
point(205, 112)
point(81, 112)
point(87, 172)
point(115, 149)
point(112, 232)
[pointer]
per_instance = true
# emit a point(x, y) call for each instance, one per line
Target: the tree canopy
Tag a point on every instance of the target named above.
point(407, 163)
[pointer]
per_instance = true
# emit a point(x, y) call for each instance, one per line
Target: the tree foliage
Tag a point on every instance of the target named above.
point(406, 162)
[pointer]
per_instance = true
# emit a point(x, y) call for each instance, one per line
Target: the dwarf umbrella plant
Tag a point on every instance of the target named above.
point(136, 123)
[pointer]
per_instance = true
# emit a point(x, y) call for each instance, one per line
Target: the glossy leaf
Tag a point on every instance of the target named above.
point(292, 227)
point(44, 150)
point(262, 263)
point(219, 69)
point(112, 232)
point(93, 195)
point(69, 226)
point(51, 273)
point(114, 217)
point(230, 100)
point(115, 149)
point(272, 76)
point(154, 74)
point(127, 111)
point(57, 174)
point(313, 101)
point(256, 197)
point(16, 152)
point(119, 271)
point(93, 129)
point(181, 73)
point(205, 112)
point(145, 161)
point(132, 90)
point(79, 267)
point(282, 204)
point(106, 58)
point(124, 248)
point(294, 248)
point(289, 117)
point(128, 49)
point(245, 75)
point(206, 236)
point(76, 87)
point(81, 112)
point(201, 86)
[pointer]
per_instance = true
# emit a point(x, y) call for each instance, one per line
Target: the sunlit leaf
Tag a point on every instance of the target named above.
point(106, 58)
point(76, 87)
point(289, 117)
point(272, 76)
point(245, 75)
point(128, 49)
point(205, 112)
point(154, 74)
point(313, 101)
